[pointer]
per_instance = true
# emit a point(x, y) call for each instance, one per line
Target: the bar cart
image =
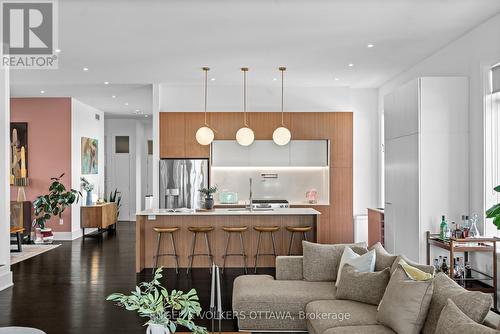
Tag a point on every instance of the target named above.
point(479, 281)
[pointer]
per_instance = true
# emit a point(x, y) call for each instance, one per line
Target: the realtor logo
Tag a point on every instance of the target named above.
point(29, 34)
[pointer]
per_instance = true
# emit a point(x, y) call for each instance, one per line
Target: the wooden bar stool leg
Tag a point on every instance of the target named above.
point(228, 237)
point(210, 256)
point(175, 253)
point(244, 254)
point(157, 252)
point(290, 245)
point(257, 253)
point(193, 244)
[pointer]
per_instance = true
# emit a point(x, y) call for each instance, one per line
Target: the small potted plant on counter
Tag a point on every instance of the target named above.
point(165, 310)
point(209, 196)
point(51, 205)
point(88, 187)
point(494, 211)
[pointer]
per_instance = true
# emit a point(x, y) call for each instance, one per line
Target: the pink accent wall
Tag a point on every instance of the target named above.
point(49, 146)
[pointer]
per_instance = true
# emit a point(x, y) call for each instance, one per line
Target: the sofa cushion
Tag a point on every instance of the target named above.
point(324, 314)
point(492, 320)
point(425, 268)
point(383, 258)
point(405, 303)
point(259, 301)
point(370, 329)
point(454, 321)
point(289, 268)
point(365, 287)
point(321, 261)
point(473, 303)
point(363, 263)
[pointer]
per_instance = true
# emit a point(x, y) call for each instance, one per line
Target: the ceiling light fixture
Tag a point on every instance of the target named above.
point(282, 136)
point(106, 82)
point(336, 79)
point(205, 135)
point(42, 92)
point(213, 79)
point(351, 65)
point(85, 69)
point(126, 103)
point(57, 50)
point(245, 135)
point(370, 45)
point(113, 96)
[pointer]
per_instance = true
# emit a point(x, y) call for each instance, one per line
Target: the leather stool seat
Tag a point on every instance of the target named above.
point(166, 229)
point(235, 228)
point(299, 228)
point(266, 228)
point(200, 229)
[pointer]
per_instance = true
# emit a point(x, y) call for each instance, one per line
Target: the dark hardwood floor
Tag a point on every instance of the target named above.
point(63, 291)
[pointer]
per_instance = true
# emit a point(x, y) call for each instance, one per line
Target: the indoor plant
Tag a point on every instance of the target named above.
point(88, 187)
point(494, 211)
point(209, 198)
point(53, 204)
point(115, 197)
point(165, 310)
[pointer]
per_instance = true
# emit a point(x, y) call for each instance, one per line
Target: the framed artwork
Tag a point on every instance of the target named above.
point(18, 150)
point(90, 149)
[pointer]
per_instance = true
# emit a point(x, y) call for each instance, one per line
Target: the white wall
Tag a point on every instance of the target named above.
point(363, 102)
point(84, 124)
point(5, 273)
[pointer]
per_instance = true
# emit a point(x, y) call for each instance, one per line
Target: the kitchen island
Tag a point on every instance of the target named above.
point(146, 238)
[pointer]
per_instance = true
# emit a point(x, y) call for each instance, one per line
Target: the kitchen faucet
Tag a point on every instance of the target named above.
point(250, 200)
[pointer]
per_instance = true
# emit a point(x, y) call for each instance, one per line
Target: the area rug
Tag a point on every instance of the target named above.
point(29, 251)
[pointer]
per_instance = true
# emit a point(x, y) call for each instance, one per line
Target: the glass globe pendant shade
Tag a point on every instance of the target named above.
point(281, 136)
point(245, 136)
point(204, 135)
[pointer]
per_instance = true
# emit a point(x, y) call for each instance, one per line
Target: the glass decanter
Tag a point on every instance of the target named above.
point(474, 231)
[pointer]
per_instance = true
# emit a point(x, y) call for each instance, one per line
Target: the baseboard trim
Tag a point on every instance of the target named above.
point(61, 236)
point(5, 279)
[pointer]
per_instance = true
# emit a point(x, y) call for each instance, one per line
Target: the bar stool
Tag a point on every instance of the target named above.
point(297, 229)
point(205, 230)
point(170, 231)
point(229, 231)
point(265, 229)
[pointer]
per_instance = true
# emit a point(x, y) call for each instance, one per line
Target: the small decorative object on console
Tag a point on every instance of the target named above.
point(88, 187)
point(209, 198)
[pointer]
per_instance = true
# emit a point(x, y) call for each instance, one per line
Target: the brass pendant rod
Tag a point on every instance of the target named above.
point(245, 69)
point(282, 69)
point(206, 69)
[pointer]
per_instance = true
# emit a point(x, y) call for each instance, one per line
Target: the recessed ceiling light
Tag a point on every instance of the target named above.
point(351, 65)
point(336, 79)
point(370, 45)
point(42, 92)
point(113, 96)
point(275, 79)
point(106, 82)
point(212, 79)
point(126, 103)
point(137, 110)
point(146, 116)
point(85, 69)
point(57, 50)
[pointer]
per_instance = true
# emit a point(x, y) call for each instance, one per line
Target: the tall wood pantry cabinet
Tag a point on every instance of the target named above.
point(426, 160)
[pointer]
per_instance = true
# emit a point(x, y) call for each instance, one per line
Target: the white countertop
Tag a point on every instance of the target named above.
point(232, 212)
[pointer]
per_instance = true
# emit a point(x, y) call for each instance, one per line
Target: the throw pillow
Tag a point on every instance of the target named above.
point(414, 273)
point(454, 321)
point(363, 263)
point(365, 287)
point(383, 258)
point(405, 303)
point(425, 268)
point(474, 304)
point(321, 261)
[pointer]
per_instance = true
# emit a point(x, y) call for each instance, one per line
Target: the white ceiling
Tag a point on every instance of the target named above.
point(132, 44)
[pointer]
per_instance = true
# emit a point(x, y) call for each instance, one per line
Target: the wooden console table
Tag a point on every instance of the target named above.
point(100, 216)
point(479, 281)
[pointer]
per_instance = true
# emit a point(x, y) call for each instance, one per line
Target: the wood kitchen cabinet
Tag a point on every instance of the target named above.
point(178, 135)
point(375, 226)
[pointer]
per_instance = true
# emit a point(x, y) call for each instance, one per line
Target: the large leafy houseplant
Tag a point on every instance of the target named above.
point(169, 310)
point(115, 197)
point(55, 202)
point(494, 211)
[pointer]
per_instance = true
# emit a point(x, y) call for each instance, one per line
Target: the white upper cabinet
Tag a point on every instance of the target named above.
point(265, 153)
point(309, 153)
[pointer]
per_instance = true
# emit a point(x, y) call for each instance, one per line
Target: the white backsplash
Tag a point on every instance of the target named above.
point(292, 182)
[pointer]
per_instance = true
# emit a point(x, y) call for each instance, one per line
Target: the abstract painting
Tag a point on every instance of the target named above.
point(90, 149)
point(18, 150)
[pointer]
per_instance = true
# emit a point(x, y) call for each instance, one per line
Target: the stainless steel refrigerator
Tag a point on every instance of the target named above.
point(180, 181)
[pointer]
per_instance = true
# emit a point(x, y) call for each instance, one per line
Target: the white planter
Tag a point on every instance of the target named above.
point(157, 329)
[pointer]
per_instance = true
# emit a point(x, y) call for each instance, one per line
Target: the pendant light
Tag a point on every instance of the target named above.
point(205, 135)
point(245, 135)
point(282, 136)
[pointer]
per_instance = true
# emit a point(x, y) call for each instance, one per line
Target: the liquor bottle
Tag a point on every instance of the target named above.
point(442, 228)
point(444, 266)
point(436, 265)
point(448, 232)
point(453, 229)
point(466, 227)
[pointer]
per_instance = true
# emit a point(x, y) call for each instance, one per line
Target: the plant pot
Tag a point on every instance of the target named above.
point(88, 201)
point(209, 203)
point(156, 329)
point(43, 235)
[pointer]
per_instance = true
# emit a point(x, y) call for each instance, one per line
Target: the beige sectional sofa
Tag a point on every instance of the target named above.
point(290, 303)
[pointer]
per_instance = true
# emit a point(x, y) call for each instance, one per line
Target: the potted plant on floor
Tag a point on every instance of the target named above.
point(494, 211)
point(209, 196)
point(115, 197)
point(166, 311)
point(50, 205)
point(88, 187)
